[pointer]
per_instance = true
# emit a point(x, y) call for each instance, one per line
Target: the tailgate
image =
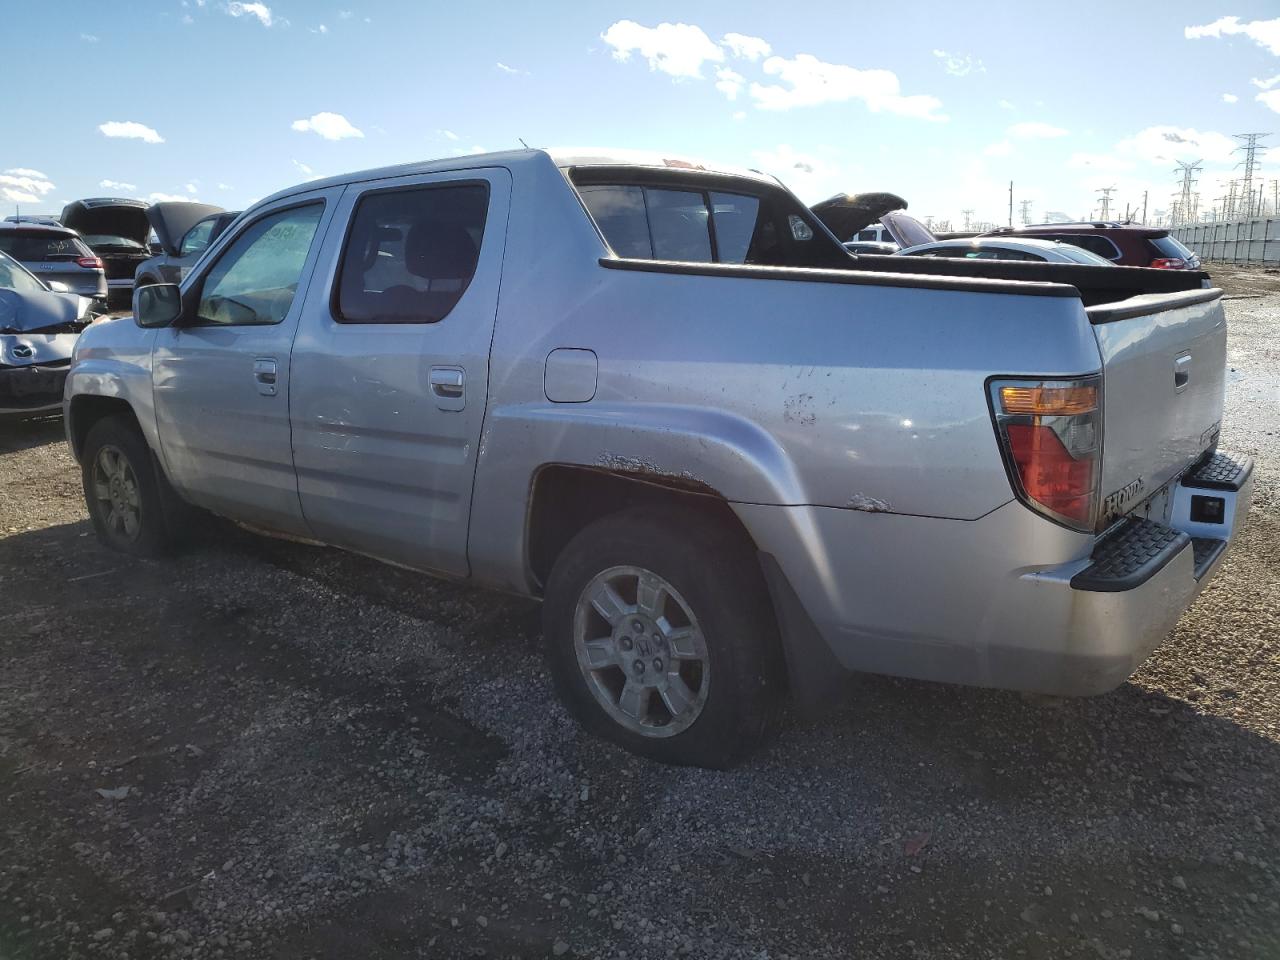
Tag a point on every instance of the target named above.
point(1163, 361)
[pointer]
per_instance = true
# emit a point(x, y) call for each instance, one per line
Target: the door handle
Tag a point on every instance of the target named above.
point(448, 384)
point(265, 372)
point(1181, 372)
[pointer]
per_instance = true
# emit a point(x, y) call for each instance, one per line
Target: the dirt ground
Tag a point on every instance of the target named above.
point(262, 749)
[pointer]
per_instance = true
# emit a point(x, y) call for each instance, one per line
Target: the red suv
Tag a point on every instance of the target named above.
point(1126, 244)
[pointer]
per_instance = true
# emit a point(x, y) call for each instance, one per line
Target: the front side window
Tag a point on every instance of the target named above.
point(197, 238)
point(411, 254)
point(256, 278)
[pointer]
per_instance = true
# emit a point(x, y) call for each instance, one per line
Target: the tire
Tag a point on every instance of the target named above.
point(122, 479)
point(688, 603)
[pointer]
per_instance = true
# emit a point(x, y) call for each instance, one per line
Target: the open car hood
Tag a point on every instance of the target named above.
point(845, 214)
point(40, 312)
point(110, 217)
point(172, 220)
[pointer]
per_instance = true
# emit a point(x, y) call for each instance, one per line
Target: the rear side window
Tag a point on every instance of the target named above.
point(697, 226)
point(43, 246)
point(411, 254)
point(256, 278)
point(1094, 244)
point(1170, 247)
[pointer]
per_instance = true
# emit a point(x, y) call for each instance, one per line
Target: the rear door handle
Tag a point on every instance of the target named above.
point(265, 372)
point(448, 386)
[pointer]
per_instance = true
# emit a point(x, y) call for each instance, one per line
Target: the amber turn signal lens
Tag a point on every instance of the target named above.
point(1063, 401)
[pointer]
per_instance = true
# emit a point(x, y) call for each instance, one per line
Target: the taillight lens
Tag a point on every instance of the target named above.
point(1169, 263)
point(1050, 433)
point(94, 262)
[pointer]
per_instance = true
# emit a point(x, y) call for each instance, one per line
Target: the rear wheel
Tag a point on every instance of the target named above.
point(129, 500)
point(661, 638)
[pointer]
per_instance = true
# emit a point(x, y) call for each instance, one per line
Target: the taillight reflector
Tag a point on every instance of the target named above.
point(1169, 263)
point(1050, 475)
point(94, 262)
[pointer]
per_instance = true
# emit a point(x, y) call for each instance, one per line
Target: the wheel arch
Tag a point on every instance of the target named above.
point(85, 410)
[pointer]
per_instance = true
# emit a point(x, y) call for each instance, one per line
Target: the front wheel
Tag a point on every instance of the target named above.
point(124, 491)
point(661, 637)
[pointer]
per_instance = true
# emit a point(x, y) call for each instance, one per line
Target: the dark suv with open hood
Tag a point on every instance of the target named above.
point(116, 229)
point(185, 231)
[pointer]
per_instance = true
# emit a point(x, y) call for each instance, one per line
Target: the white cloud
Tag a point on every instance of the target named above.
point(677, 49)
point(345, 14)
point(1265, 33)
point(190, 188)
point(1036, 130)
point(130, 130)
point(808, 176)
point(24, 185)
point(1271, 98)
point(808, 81)
point(745, 47)
point(117, 185)
point(1000, 149)
point(740, 115)
point(1266, 84)
point(449, 134)
point(259, 10)
point(88, 38)
point(959, 65)
point(729, 82)
point(513, 71)
point(302, 168)
point(1007, 105)
point(170, 198)
point(1165, 144)
point(331, 126)
point(225, 186)
point(322, 29)
point(1230, 98)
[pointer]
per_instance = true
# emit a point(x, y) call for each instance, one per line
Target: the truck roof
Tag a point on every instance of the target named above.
point(562, 157)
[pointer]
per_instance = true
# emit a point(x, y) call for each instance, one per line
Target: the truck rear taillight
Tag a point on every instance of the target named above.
point(1169, 263)
point(1050, 434)
point(89, 262)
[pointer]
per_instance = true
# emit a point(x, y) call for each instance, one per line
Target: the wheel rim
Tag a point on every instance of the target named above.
point(116, 490)
point(641, 651)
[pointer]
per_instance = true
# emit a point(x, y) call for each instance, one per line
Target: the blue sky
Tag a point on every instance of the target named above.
point(943, 103)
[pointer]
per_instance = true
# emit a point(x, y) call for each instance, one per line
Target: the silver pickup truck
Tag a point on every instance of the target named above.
point(733, 460)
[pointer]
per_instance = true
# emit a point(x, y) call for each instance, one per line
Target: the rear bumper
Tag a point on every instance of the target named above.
point(966, 601)
point(33, 389)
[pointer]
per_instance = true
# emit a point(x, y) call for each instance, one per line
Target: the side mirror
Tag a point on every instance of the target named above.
point(57, 286)
point(157, 304)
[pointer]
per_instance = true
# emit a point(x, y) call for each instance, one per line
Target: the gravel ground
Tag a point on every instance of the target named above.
point(264, 749)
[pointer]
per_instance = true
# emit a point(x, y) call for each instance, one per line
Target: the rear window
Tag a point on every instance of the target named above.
point(43, 246)
point(1170, 247)
point(694, 225)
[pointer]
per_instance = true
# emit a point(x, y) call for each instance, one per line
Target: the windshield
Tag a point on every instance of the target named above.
point(15, 277)
point(109, 240)
point(43, 245)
